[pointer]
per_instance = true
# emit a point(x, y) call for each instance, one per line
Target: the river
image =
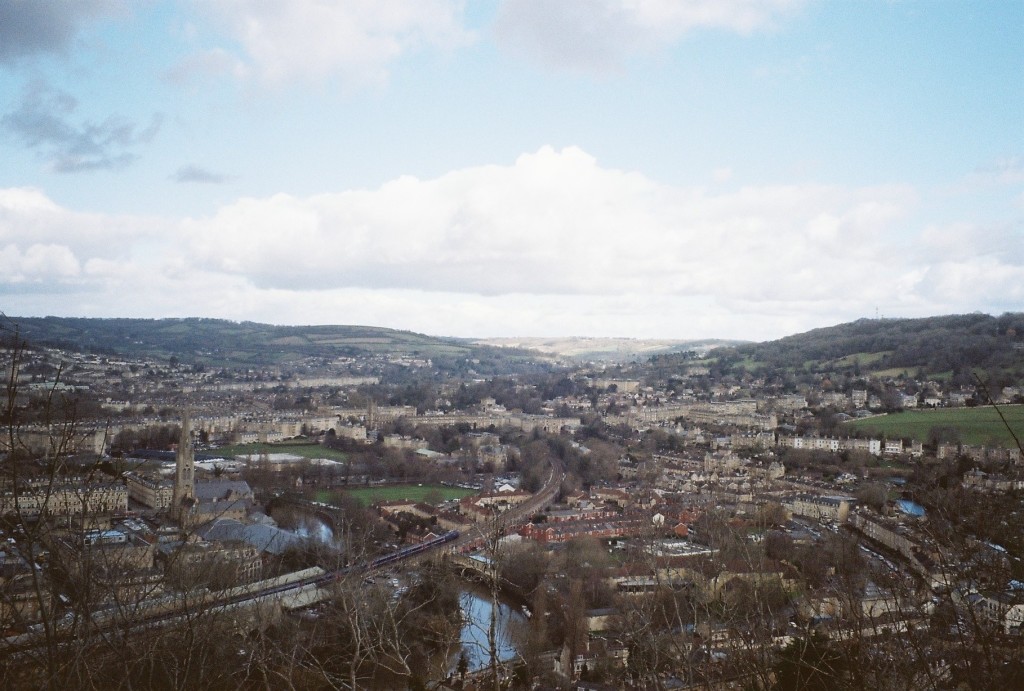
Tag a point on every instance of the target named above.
point(474, 600)
point(305, 525)
point(476, 612)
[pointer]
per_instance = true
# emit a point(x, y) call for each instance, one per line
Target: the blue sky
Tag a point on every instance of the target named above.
point(648, 168)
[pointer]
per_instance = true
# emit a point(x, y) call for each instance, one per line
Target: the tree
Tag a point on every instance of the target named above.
point(433, 497)
point(874, 494)
point(810, 664)
point(778, 545)
point(771, 514)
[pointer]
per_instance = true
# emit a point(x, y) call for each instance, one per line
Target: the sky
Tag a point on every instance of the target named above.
point(743, 169)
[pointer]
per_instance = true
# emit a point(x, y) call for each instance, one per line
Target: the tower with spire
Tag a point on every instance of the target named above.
point(185, 470)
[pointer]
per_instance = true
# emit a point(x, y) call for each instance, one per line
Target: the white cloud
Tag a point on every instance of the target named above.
point(598, 35)
point(1005, 171)
point(24, 200)
point(965, 241)
point(554, 222)
point(309, 40)
point(982, 281)
point(215, 62)
point(37, 263)
point(29, 217)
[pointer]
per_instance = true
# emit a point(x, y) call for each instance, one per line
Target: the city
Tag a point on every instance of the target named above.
point(667, 521)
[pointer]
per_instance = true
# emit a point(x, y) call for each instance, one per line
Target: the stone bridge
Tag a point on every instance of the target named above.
point(331, 515)
point(479, 569)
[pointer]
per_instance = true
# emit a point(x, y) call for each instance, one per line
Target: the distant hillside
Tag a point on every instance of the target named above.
point(220, 342)
point(938, 346)
point(607, 349)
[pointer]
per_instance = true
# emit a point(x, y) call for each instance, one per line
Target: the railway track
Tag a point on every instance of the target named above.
point(168, 610)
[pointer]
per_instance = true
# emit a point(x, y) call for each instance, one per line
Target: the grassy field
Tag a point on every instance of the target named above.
point(749, 364)
point(977, 426)
point(865, 360)
point(295, 448)
point(369, 495)
point(892, 372)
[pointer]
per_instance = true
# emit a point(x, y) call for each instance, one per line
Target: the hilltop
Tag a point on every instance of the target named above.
point(608, 349)
point(945, 347)
point(941, 347)
point(219, 342)
point(937, 346)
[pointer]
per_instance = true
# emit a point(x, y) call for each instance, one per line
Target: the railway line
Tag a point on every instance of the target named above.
point(301, 587)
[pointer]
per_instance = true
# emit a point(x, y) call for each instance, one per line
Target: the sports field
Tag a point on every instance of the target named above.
point(419, 493)
point(306, 450)
point(977, 426)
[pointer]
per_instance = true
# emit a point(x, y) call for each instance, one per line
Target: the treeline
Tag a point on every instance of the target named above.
point(934, 344)
point(956, 344)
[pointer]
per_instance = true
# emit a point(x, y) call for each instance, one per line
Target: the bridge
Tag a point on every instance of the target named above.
point(331, 515)
point(475, 567)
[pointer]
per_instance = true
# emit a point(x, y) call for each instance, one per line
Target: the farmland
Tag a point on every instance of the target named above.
point(976, 426)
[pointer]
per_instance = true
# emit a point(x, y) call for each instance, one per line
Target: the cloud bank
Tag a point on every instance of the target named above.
point(552, 244)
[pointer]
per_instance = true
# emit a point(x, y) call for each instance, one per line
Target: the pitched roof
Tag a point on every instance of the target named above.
point(265, 538)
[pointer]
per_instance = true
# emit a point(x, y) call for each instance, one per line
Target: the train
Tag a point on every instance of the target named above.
point(409, 551)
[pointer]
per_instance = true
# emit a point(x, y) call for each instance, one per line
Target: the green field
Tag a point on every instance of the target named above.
point(977, 426)
point(369, 495)
point(305, 450)
point(861, 359)
point(893, 372)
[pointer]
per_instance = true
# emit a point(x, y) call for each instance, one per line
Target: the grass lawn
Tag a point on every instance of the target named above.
point(306, 450)
point(369, 495)
point(977, 426)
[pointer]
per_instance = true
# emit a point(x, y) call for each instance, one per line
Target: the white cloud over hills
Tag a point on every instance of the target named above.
point(552, 244)
point(553, 222)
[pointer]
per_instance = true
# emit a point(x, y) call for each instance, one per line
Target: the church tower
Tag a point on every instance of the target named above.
point(185, 468)
point(371, 414)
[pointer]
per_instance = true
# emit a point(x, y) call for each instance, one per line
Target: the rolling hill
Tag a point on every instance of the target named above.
point(219, 342)
point(953, 347)
point(936, 346)
point(607, 349)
